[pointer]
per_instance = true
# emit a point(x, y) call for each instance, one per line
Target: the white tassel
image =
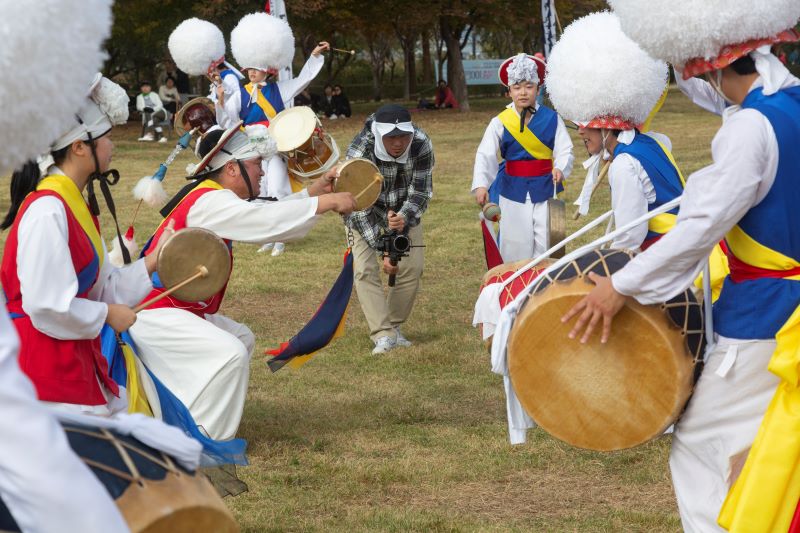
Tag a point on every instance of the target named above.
point(151, 191)
point(115, 255)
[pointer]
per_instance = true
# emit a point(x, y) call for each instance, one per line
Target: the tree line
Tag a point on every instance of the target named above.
point(424, 35)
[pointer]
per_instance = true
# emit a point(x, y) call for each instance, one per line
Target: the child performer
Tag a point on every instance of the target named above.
point(537, 156)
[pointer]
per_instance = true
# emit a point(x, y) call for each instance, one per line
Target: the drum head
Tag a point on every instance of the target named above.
point(361, 178)
point(199, 112)
point(603, 396)
point(181, 256)
point(293, 127)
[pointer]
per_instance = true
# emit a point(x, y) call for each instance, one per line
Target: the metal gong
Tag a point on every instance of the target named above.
point(361, 178)
point(182, 257)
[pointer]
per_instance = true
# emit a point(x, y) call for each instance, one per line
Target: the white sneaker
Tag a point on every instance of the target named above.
point(267, 247)
point(147, 138)
point(278, 249)
point(401, 339)
point(383, 345)
point(162, 140)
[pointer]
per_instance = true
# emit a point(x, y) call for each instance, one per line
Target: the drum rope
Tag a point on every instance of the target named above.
point(123, 454)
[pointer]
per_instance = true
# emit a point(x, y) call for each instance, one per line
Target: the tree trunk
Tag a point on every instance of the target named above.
point(455, 68)
point(427, 64)
point(409, 66)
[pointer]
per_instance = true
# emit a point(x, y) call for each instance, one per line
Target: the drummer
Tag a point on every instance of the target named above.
point(749, 194)
point(59, 284)
point(404, 156)
point(610, 112)
point(202, 356)
point(537, 156)
point(263, 45)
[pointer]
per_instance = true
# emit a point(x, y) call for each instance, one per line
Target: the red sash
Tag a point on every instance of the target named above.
point(529, 168)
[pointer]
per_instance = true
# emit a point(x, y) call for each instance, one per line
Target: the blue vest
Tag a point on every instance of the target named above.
point(757, 309)
point(251, 112)
point(662, 173)
point(540, 188)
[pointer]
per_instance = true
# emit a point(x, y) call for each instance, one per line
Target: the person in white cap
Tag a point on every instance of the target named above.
point(749, 196)
point(537, 155)
point(404, 156)
point(59, 285)
point(611, 112)
point(202, 356)
point(263, 45)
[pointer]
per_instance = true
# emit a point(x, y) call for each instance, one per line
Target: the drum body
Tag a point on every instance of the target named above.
point(361, 178)
point(309, 151)
point(153, 493)
point(604, 396)
point(197, 113)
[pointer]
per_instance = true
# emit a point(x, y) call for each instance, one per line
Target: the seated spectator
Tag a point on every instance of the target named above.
point(341, 105)
point(304, 98)
point(153, 113)
point(326, 103)
point(445, 97)
point(170, 96)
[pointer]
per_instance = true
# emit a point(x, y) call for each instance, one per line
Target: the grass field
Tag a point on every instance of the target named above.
point(415, 440)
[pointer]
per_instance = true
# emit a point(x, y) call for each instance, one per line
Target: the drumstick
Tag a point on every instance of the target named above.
point(351, 52)
point(602, 175)
point(202, 272)
point(376, 179)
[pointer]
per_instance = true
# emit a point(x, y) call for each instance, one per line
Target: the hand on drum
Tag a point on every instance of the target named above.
point(341, 202)
point(397, 222)
point(324, 184)
point(603, 302)
point(151, 260)
point(321, 47)
point(481, 196)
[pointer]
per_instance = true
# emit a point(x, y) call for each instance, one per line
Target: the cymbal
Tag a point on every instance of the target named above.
point(361, 178)
point(184, 253)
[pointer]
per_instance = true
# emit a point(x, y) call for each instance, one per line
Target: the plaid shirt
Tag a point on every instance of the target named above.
point(407, 188)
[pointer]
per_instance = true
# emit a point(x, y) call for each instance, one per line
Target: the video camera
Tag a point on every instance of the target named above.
point(396, 246)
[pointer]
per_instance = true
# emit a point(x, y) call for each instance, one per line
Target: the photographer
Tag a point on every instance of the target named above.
point(404, 156)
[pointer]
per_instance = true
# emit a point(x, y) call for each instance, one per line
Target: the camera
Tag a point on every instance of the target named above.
point(395, 246)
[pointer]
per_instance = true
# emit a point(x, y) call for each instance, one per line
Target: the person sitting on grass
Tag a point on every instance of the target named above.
point(153, 114)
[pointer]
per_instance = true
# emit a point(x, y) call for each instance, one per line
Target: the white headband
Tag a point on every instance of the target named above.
point(255, 142)
point(379, 129)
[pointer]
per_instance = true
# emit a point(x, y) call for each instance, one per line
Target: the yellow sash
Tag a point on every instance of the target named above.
point(68, 191)
point(646, 126)
point(527, 139)
point(766, 494)
point(261, 101)
point(137, 398)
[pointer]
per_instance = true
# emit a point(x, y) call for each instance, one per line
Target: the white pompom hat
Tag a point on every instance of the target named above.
point(262, 42)
point(197, 47)
point(704, 35)
point(598, 77)
point(36, 114)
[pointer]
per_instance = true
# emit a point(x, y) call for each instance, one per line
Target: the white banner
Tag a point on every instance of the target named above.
point(549, 23)
point(277, 8)
point(479, 71)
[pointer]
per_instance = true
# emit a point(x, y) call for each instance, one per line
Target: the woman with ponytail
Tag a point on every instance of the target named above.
point(59, 284)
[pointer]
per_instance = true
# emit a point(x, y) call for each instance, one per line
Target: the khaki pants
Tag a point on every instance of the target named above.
point(384, 312)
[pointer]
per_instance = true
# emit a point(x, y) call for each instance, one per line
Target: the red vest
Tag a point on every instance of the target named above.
point(179, 215)
point(64, 371)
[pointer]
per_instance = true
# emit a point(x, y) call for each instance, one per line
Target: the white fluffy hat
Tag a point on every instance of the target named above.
point(263, 42)
point(197, 46)
point(62, 68)
point(679, 31)
point(598, 76)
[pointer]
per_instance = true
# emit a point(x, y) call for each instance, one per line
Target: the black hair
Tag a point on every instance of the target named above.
point(145, 82)
point(23, 182)
point(169, 78)
point(328, 85)
point(744, 66)
point(337, 86)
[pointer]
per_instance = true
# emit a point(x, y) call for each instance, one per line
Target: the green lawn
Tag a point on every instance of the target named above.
point(415, 440)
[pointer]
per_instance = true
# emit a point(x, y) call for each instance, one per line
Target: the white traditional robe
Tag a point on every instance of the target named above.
point(206, 363)
point(522, 225)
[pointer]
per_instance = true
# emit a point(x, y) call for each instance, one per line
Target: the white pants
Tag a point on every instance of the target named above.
point(523, 229)
point(721, 421)
point(205, 363)
point(275, 181)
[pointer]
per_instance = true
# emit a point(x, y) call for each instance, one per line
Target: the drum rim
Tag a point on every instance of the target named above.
point(208, 236)
point(361, 160)
point(305, 131)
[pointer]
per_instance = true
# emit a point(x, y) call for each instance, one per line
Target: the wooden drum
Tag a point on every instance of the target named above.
point(308, 150)
point(604, 396)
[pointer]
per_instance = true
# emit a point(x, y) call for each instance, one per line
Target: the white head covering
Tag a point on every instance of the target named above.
point(238, 146)
point(197, 46)
point(680, 31)
point(379, 129)
point(522, 68)
point(262, 42)
point(597, 74)
point(62, 39)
